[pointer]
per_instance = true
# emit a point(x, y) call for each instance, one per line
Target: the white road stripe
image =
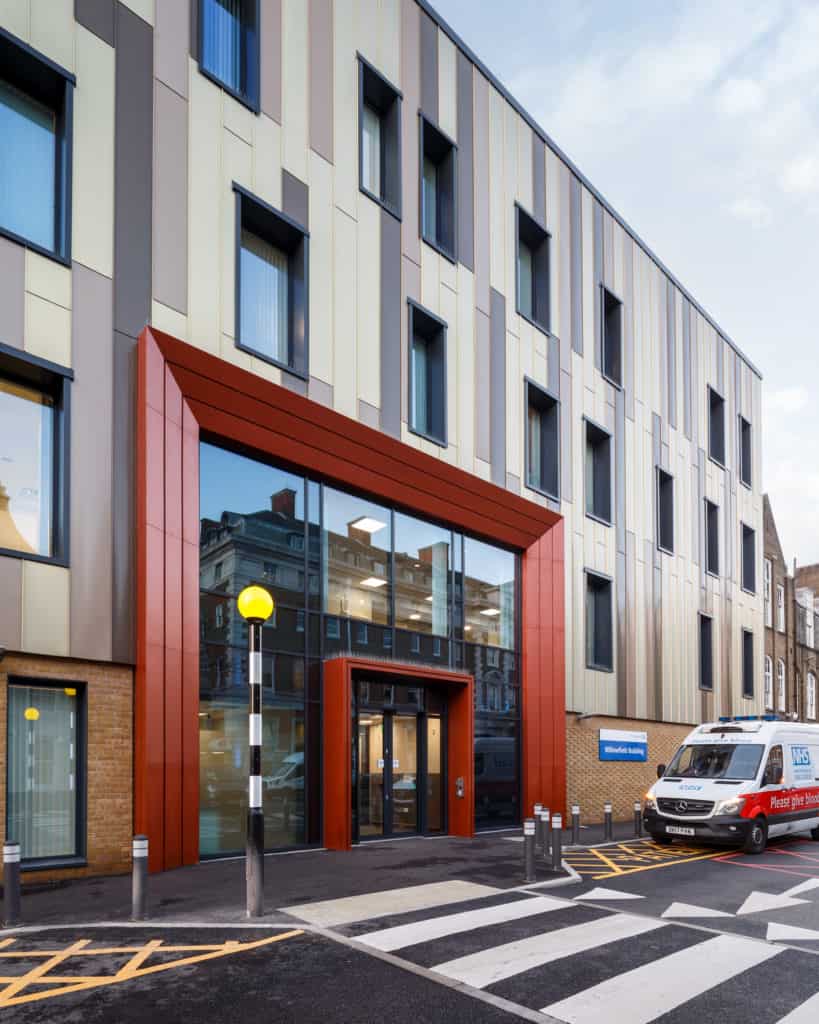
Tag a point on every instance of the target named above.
point(332, 913)
point(452, 924)
point(647, 992)
point(499, 962)
point(807, 1013)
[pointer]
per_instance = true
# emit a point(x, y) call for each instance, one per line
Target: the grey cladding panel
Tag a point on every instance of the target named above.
point(321, 77)
point(686, 367)
point(12, 293)
point(598, 281)
point(671, 335)
point(391, 311)
point(172, 37)
point(538, 178)
point(133, 164)
point(295, 199)
point(553, 365)
point(566, 425)
point(576, 206)
point(97, 16)
point(124, 402)
point(11, 601)
point(429, 67)
point(270, 46)
point(482, 386)
point(481, 142)
point(466, 179)
point(497, 388)
point(628, 324)
point(170, 241)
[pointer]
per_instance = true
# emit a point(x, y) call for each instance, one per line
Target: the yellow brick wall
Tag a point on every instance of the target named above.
point(109, 757)
point(591, 782)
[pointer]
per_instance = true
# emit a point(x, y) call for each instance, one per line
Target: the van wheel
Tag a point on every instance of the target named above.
point(814, 834)
point(757, 838)
point(662, 840)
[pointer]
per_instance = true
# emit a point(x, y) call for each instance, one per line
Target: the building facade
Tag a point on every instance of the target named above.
point(296, 293)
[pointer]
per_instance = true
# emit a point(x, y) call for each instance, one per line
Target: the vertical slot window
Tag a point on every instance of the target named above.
point(665, 511)
point(612, 338)
point(716, 427)
point(427, 375)
point(542, 441)
point(748, 559)
point(599, 623)
point(598, 473)
point(711, 538)
point(745, 452)
point(380, 138)
point(747, 663)
point(706, 653)
point(532, 270)
point(437, 189)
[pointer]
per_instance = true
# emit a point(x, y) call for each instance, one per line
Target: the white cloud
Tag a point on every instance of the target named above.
point(751, 210)
point(801, 176)
point(738, 96)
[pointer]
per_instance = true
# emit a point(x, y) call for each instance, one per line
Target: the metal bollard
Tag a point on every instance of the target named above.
point(11, 883)
point(529, 850)
point(139, 878)
point(575, 825)
point(557, 842)
point(545, 828)
point(608, 833)
point(638, 818)
point(538, 826)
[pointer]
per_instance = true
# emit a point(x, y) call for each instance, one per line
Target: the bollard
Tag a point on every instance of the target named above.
point(11, 883)
point(575, 825)
point(608, 833)
point(139, 878)
point(638, 818)
point(538, 826)
point(529, 850)
point(545, 819)
point(557, 842)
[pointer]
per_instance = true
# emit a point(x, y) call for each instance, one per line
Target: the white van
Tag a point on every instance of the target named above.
point(738, 780)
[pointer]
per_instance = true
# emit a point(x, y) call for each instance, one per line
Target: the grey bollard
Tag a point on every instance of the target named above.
point(538, 826)
point(608, 833)
point(139, 878)
point(11, 883)
point(638, 818)
point(557, 842)
point(545, 819)
point(529, 850)
point(575, 825)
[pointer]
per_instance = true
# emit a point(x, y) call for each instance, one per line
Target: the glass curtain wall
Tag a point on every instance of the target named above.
point(349, 576)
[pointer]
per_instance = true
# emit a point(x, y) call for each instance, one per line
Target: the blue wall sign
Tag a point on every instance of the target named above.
point(619, 745)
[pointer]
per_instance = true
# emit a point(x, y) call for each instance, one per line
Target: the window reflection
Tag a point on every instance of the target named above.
point(489, 594)
point(422, 564)
point(357, 541)
point(26, 468)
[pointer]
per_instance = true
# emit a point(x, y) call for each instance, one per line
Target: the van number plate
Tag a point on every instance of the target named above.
point(677, 830)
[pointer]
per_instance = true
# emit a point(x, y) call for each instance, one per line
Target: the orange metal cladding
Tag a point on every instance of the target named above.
point(182, 391)
point(337, 707)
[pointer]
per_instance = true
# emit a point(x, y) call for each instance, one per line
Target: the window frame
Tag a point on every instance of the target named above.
point(547, 398)
point(810, 696)
point(768, 689)
point(32, 68)
point(367, 72)
point(437, 335)
point(747, 664)
point(745, 429)
point(714, 394)
point(780, 590)
point(746, 532)
point(781, 685)
point(598, 578)
point(296, 245)
point(600, 430)
point(661, 477)
point(703, 619)
point(707, 506)
point(49, 378)
point(79, 857)
point(252, 98)
point(441, 140)
point(767, 592)
point(526, 223)
point(609, 298)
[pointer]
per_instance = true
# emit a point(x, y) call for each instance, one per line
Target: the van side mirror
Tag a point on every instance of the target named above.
point(660, 770)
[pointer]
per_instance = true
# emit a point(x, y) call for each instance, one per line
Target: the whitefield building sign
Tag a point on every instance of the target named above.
point(619, 745)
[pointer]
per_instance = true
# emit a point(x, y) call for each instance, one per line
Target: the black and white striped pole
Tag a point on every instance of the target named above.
point(256, 606)
point(545, 825)
point(575, 824)
point(538, 832)
point(139, 878)
point(11, 883)
point(557, 842)
point(638, 818)
point(608, 831)
point(529, 850)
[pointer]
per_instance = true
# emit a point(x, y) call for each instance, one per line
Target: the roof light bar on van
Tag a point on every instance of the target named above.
point(750, 718)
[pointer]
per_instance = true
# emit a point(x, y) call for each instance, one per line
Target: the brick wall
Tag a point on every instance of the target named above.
point(590, 782)
point(109, 757)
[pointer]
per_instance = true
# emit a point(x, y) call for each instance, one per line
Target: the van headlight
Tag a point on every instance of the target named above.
point(650, 801)
point(730, 806)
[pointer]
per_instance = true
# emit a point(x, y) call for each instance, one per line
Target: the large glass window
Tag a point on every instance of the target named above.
point(42, 787)
point(357, 541)
point(489, 594)
point(422, 565)
point(229, 48)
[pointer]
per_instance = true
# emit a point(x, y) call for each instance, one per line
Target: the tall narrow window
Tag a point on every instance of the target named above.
point(35, 155)
point(437, 189)
point(748, 559)
point(711, 538)
point(745, 452)
point(229, 46)
point(766, 583)
point(769, 701)
point(716, 427)
point(747, 663)
point(706, 652)
point(780, 607)
point(542, 441)
point(43, 787)
point(380, 138)
point(781, 687)
point(599, 623)
point(810, 701)
point(612, 338)
point(598, 473)
point(532, 270)
point(271, 307)
point(427, 374)
point(665, 511)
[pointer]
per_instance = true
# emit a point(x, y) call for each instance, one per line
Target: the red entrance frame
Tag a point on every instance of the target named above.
point(183, 392)
point(337, 794)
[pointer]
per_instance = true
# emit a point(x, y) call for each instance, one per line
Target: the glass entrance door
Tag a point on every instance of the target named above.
point(404, 773)
point(370, 774)
point(387, 774)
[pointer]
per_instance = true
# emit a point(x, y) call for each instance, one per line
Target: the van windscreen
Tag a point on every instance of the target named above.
point(717, 761)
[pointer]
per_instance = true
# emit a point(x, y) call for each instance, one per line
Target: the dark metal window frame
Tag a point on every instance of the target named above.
point(711, 508)
point(54, 380)
point(745, 455)
point(664, 488)
point(380, 94)
point(249, 98)
point(706, 652)
point(46, 82)
point(611, 340)
point(434, 332)
point(599, 583)
point(442, 148)
point(534, 234)
point(547, 403)
point(716, 401)
point(601, 436)
point(78, 858)
point(293, 238)
point(748, 535)
point(747, 664)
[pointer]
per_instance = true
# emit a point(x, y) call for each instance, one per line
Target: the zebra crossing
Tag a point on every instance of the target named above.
point(574, 963)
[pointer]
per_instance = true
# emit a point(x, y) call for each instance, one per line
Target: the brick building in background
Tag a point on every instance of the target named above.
point(295, 292)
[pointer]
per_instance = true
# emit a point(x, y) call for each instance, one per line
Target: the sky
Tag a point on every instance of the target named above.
point(699, 122)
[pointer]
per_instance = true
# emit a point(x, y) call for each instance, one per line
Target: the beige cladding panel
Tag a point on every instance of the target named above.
point(45, 608)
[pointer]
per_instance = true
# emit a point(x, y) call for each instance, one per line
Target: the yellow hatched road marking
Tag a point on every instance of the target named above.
point(630, 858)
